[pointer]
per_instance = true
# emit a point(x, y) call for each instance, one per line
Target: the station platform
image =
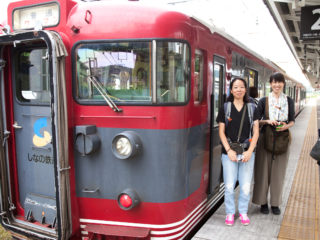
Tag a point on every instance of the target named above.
point(300, 209)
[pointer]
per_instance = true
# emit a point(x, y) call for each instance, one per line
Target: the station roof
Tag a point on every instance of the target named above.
point(287, 15)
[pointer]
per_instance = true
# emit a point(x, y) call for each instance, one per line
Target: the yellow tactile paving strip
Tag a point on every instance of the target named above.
point(301, 217)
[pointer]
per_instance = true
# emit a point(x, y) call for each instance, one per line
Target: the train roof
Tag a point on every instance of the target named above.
point(163, 8)
point(159, 9)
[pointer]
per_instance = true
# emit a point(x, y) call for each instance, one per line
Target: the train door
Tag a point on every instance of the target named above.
point(33, 145)
point(217, 100)
point(32, 126)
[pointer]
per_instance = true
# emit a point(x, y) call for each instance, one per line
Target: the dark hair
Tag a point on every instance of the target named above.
point(277, 77)
point(253, 92)
point(245, 97)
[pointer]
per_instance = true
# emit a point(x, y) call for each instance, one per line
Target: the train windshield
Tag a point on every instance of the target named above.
point(172, 72)
point(124, 71)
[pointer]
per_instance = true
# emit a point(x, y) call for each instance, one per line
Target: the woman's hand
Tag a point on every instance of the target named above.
point(284, 127)
point(246, 156)
point(272, 122)
point(232, 155)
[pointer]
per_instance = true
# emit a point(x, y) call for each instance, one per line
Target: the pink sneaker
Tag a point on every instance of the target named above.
point(229, 219)
point(244, 219)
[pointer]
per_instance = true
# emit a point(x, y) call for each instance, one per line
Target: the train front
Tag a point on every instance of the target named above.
point(108, 140)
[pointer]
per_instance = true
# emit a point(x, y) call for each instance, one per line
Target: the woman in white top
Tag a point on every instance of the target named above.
point(270, 169)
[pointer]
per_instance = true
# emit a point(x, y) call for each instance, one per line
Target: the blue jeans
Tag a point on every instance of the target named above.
point(233, 171)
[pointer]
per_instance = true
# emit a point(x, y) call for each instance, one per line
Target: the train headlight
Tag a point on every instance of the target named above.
point(128, 199)
point(126, 145)
point(123, 146)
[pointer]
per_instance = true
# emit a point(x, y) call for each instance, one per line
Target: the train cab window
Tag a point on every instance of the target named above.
point(121, 70)
point(198, 76)
point(172, 71)
point(32, 76)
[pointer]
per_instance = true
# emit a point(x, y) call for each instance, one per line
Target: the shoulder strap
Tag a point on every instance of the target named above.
point(290, 106)
point(266, 109)
point(251, 109)
point(227, 112)
point(241, 123)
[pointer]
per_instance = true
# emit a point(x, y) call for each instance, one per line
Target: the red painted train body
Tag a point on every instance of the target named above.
point(108, 118)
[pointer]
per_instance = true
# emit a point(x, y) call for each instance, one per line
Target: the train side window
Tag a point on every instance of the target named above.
point(268, 89)
point(32, 76)
point(198, 76)
point(218, 80)
point(251, 76)
point(287, 89)
point(260, 90)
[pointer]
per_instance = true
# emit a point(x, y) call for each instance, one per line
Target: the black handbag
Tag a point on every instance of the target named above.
point(237, 147)
point(315, 151)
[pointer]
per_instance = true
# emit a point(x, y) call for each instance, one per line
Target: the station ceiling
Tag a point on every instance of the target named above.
point(287, 14)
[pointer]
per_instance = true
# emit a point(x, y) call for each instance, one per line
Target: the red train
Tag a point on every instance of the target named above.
point(108, 118)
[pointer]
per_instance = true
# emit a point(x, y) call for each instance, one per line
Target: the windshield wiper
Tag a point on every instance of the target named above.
point(104, 94)
point(92, 79)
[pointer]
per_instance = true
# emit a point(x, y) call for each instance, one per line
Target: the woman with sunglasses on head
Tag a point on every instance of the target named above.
point(237, 127)
point(276, 110)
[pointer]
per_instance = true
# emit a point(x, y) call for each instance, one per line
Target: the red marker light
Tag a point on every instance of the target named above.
point(125, 200)
point(128, 199)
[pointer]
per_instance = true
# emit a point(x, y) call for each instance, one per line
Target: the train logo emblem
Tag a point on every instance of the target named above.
point(41, 140)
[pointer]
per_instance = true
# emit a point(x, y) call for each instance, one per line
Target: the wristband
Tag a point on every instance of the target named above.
point(228, 150)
